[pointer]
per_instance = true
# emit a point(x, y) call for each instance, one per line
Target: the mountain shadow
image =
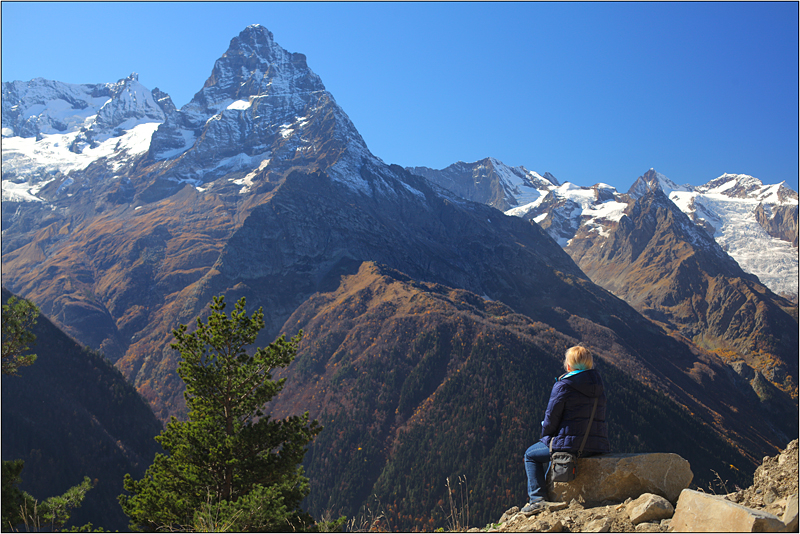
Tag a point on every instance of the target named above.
point(72, 414)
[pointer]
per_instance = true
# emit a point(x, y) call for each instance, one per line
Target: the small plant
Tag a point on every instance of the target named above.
point(458, 517)
point(327, 523)
point(209, 518)
point(369, 519)
point(719, 483)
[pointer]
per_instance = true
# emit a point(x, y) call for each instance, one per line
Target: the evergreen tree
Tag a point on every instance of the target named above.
point(19, 315)
point(229, 467)
point(14, 500)
point(19, 507)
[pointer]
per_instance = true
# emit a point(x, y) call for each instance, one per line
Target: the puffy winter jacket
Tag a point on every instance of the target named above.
point(568, 413)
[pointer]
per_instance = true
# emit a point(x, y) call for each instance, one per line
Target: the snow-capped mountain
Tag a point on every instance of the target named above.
point(755, 223)
point(261, 105)
point(651, 179)
point(674, 272)
point(742, 215)
point(491, 182)
point(51, 128)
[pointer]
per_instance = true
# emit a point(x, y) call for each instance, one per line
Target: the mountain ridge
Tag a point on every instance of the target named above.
point(726, 207)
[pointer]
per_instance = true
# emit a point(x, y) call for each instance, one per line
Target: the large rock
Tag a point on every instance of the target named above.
point(649, 507)
point(701, 512)
point(616, 477)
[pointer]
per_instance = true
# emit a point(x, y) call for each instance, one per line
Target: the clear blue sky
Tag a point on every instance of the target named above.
point(591, 92)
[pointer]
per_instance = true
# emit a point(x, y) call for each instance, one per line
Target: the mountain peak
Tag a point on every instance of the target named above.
point(653, 179)
point(744, 186)
point(254, 38)
point(490, 181)
point(254, 65)
point(261, 106)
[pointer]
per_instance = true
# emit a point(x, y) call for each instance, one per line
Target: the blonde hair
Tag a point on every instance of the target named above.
point(578, 358)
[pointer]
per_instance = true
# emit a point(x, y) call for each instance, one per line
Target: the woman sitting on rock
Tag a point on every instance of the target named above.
point(566, 420)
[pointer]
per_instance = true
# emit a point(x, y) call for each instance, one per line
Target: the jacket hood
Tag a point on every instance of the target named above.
point(587, 382)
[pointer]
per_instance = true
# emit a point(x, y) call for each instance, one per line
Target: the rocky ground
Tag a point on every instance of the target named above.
point(774, 483)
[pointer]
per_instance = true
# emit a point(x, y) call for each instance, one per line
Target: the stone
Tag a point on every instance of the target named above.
point(548, 525)
point(555, 506)
point(598, 525)
point(508, 514)
point(701, 512)
point(790, 514)
point(616, 477)
point(649, 507)
point(517, 519)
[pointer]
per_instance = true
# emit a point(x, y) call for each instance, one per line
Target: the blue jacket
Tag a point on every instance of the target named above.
point(568, 413)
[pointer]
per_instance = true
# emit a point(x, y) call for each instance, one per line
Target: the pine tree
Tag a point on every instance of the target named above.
point(19, 316)
point(20, 508)
point(229, 467)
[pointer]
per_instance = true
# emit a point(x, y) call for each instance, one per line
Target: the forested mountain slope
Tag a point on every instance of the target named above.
point(416, 382)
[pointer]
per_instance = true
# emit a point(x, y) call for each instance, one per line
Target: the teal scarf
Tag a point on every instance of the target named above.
point(565, 375)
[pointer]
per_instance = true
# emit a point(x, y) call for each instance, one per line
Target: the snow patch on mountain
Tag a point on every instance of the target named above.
point(51, 127)
point(593, 207)
point(247, 181)
point(773, 260)
point(597, 215)
point(724, 207)
point(23, 191)
point(239, 104)
point(519, 183)
point(27, 156)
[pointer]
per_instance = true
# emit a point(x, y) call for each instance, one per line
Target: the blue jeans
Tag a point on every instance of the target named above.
point(537, 464)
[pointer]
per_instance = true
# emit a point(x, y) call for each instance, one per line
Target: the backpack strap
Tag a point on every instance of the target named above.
point(588, 428)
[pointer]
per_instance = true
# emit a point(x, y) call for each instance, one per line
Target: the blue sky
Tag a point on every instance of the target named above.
point(591, 92)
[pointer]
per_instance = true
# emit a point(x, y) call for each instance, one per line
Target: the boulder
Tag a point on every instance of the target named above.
point(649, 507)
point(701, 512)
point(616, 477)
